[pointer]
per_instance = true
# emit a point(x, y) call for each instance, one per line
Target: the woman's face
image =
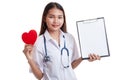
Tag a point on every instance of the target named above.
point(54, 19)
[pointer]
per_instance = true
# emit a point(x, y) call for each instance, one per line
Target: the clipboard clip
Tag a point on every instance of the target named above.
point(91, 20)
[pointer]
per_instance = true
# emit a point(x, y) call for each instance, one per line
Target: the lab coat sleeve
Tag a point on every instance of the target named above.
point(38, 56)
point(75, 54)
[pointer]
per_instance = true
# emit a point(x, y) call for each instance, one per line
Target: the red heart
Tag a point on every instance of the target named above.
point(30, 37)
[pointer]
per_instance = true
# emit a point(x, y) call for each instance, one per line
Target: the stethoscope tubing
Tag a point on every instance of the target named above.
point(47, 58)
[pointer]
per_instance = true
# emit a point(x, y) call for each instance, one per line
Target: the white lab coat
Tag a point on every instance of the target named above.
point(54, 69)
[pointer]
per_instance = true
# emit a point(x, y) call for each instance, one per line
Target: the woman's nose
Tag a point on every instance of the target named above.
point(55, 20)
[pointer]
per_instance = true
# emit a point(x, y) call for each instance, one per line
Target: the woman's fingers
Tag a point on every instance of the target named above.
point(98, 57)
point(90, 58)
point(93, 57)
point(28, 47)
point(28, 51)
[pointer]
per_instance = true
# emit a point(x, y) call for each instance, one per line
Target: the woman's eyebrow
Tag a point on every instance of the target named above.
point(54, 15)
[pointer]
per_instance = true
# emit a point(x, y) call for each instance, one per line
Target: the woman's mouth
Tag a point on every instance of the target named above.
point(55, 25)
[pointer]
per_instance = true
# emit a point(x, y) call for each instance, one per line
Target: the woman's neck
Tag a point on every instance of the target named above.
point(55, 35)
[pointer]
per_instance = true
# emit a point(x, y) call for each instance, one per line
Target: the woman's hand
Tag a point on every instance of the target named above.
point(35, 69)
point(28, 51)
point(93, 57)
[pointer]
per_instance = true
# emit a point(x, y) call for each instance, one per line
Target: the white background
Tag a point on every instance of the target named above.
point(18, 16)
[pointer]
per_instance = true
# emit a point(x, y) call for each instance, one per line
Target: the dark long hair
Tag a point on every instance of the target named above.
point(45, 12)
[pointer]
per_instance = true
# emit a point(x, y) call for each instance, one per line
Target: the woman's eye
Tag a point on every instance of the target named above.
point(60, 17)
point(51, 17)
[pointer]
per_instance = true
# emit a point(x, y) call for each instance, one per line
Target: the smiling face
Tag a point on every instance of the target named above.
point(54, 19)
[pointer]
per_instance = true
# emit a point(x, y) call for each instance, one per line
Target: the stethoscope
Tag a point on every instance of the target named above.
point(47, 58)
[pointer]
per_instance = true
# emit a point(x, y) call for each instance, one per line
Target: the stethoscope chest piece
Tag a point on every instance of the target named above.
point(64, 51)
point(46, 58)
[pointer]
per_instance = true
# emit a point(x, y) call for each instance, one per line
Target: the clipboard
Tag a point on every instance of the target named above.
point(92, 37)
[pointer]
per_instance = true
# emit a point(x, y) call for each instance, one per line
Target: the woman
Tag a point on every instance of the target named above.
point(54, 54)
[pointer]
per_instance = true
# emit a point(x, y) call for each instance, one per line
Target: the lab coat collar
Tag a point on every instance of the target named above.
point(48, 37)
